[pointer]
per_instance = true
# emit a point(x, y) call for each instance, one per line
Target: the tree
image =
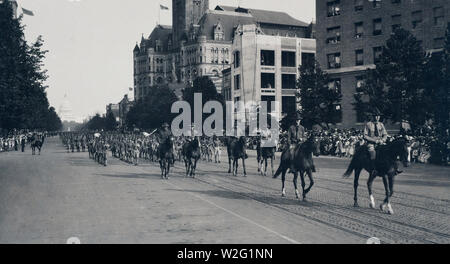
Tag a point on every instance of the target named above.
point(319, 101)
point(208, 90)
point(154, 110)
point(23, 101)
point(396, 85)
point(110, 122)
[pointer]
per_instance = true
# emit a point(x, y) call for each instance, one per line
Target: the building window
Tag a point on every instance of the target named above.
point(359, 30)
point(438, 16)
point(396, 1)
point(334, 8)
point(288, 104)
point(377, 51)
point(416, 18)
point(335, 84)
point(334, 60)
point(288, 81)
point(438, 43)
point(267, 57)
point(268, 80)
point(359, 55)
point(237, 59)
point(288, 59)
point(237, 82)
point(377, 27)
point(269, 100)
point(359, 5)
point(307, 57)
point(376, 3)
point(334, 35)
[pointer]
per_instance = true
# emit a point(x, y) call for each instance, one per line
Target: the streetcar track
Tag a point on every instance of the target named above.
point(387, 231)
point(347, 209)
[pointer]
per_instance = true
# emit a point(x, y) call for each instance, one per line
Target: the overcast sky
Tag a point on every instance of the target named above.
point(90, 43)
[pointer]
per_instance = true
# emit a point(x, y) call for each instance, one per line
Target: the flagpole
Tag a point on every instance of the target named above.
point(159, 14)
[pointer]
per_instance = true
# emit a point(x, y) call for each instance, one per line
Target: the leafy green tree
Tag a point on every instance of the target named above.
point(23, 101)
point(396, 85)
point(152, 111)
point(319, 102)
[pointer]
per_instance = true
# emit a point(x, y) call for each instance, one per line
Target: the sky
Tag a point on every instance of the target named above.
point(90, 43)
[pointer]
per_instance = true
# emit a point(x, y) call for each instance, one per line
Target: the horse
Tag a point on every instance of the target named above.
point(236, 151)
point(165, 151)
point(191, 154)
point(300, 162)
point(263, 154)
point(36, 143)
point(385, 166)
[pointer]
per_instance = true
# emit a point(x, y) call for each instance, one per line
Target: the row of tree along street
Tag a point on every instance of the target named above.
point(23, 100)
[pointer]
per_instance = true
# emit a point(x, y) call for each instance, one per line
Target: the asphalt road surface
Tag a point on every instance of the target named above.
point(57, 195)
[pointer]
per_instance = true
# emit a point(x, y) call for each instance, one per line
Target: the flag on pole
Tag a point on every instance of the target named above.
point(27, 12)
point(163, 7)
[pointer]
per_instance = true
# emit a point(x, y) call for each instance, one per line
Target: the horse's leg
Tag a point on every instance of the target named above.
point(386, 189)
point(187, 167)
point(283, 179)
point(391, 192)
point(243, 165)
point(372, 177)
point(295, 184)
point(311, 181)
point(271, 164)
point(265, 166)
point(302, 178)
point(355, 187)
point(195, 167)
point(229, 164)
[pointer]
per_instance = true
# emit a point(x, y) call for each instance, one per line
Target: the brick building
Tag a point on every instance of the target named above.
point(351, 33)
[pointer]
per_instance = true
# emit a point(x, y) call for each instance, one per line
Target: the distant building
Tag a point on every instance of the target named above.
point(124, 108)
point(114, 109)
point(65, 112)
point(200, 43)
point(266, 67)
point(351, 33)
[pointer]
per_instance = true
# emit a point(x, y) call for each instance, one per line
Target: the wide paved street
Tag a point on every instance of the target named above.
point(58, 195)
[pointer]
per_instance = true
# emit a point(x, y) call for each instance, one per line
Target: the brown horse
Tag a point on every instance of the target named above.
point(236, 151)
point(385, 166)
point(166, 157)
point(191, 154)
point(300, 162)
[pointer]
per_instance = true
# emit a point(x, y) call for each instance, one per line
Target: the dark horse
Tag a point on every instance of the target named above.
point(236, 151)
point(263, 154)
point(36, 143)
point(166, 157)
point(191, 154)
point(385, 166)
point(300, 162)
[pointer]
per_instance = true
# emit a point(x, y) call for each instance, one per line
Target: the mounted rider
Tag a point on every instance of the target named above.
point(375, 134)
point(163, 134)
point(296, 135)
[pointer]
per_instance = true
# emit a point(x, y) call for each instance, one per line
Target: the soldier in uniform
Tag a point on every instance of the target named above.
point(296, 135)
point(375, 134)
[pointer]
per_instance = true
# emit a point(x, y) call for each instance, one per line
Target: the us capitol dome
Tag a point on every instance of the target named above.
point(65, 110)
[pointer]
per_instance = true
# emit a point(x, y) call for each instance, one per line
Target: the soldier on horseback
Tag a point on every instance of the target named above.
point(296, 135)
point(375, 134)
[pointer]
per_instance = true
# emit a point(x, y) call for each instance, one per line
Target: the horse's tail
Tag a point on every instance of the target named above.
point(350, 169)
point(278, 172)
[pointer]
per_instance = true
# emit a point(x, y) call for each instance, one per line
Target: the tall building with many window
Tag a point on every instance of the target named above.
point(351, 33)
point(266, 68)
point(200, 41)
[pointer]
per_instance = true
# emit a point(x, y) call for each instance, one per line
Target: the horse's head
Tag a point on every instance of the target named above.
point(400, 148)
